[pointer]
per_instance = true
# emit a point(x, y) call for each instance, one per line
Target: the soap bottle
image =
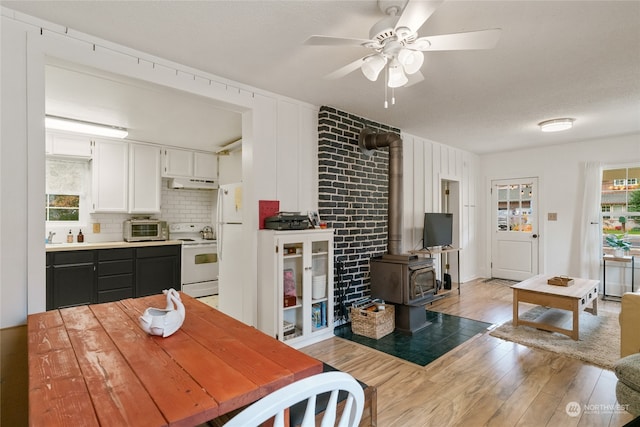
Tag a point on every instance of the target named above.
point(70, 237)
point(80, 237)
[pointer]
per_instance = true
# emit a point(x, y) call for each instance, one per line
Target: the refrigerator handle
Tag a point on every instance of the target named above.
point(219, 223)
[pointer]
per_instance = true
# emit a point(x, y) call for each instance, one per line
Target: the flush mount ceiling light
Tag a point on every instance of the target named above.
point(556, 125)
point(79, 126)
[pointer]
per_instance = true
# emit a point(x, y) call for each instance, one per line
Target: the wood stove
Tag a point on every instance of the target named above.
point(408, 282)
point(402, 279)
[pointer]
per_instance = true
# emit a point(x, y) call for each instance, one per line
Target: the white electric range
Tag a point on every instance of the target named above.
point(199, 259)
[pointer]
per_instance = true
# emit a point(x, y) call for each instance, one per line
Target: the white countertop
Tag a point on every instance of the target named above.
point(57, 247)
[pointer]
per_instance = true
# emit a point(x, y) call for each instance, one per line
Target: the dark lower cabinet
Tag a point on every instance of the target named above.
point(157, 268)
point(73, 279)
point(115, 274)
point(105, 275)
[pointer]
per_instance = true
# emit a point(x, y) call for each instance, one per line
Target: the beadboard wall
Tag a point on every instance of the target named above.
point(352, 195)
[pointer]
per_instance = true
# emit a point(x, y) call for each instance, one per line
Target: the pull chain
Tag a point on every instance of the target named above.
point(386, 80)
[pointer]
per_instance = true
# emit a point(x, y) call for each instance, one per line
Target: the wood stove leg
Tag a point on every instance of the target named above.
point(410, 319)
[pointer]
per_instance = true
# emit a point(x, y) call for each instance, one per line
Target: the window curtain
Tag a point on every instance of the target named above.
point(591, 229)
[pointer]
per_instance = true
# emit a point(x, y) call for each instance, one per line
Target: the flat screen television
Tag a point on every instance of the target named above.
point(438, 230)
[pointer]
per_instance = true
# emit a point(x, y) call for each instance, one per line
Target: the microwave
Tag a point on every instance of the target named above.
point(140, 230)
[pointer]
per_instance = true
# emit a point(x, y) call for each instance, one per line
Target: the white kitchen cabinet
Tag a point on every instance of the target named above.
point(64, 145)
point(144, 178)
point(205, 165)
point(189, 164)
point(110, 173)
point(177, 163)
point(299, 263)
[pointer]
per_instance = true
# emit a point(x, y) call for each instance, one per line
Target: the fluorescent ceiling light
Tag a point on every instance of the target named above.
point(62, 123)
point(556, 125)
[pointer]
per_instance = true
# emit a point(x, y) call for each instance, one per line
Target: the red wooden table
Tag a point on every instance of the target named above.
point(94, 365)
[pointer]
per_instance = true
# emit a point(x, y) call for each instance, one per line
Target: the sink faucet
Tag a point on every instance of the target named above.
point(50, 238)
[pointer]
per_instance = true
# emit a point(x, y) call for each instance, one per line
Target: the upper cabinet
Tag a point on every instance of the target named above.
point(189, 164)
point(110, 176)
point(68, 145)
point(144, 178)
point(126, 177)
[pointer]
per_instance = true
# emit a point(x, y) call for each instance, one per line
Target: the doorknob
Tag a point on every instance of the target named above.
point(535, 236)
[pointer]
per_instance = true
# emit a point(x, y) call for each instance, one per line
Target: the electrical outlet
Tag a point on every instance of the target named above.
point(552, 216)
point(96, 227)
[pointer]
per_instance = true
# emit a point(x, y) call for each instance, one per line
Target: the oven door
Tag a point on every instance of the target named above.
point(199, 269)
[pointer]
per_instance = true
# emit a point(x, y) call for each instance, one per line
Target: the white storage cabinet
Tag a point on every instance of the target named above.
point(125, 177)
point(144, 178)
point(189, 164)
point(110, 176)
point(303, 261)
point(73, 146)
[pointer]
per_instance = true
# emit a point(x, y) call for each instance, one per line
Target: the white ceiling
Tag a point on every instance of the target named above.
point(578, 59)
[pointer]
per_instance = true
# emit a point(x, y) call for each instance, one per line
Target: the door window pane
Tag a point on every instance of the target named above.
point(515, 208)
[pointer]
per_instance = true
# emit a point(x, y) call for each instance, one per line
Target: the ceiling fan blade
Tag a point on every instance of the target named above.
point(416, 12)
point(337, 41)
point(343, 71)
point(483, 39)
point(414, 78)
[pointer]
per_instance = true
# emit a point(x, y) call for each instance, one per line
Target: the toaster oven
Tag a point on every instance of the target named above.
point(140, 230)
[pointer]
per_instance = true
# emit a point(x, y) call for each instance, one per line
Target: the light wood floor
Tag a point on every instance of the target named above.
point(484, 382)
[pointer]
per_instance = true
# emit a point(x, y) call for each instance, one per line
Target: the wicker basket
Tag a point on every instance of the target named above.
point(373, 324)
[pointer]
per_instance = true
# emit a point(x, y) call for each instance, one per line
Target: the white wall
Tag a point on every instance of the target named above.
point(426, 164)
point(559, 169)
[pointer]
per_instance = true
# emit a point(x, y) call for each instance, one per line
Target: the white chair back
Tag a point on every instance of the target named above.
point(307, 389)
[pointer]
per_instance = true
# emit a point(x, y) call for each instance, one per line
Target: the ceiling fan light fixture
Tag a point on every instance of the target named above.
point(397, 77)
point(411, 60)
point(79, 126)
point(556, 125)
point(372, 65)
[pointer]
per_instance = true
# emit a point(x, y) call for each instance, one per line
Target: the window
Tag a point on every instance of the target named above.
point(67, 187)
point(62, 207)
point(514, 207)
point(620, 206)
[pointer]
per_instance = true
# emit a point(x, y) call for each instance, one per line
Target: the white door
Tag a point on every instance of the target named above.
point(514, 247)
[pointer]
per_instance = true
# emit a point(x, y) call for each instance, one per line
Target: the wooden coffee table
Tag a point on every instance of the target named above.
point(574, 298)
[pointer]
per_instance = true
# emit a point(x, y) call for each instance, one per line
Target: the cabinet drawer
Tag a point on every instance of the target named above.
point(158, 251)
point(73, 257)
point(115, 282)
point(114, 254)
point(108, 268)
point(115, 295)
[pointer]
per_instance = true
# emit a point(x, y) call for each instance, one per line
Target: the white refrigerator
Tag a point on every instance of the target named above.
point(230, 247)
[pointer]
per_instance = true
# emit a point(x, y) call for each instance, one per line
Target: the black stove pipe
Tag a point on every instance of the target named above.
point(369, 141)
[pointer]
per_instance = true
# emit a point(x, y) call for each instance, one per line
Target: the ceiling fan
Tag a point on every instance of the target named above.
point(395, 46)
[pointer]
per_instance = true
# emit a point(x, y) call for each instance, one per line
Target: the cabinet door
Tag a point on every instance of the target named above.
point(109, 171)
point(68, 145)
point(205, 165)
point(178, 163)
point(74, 283)
point(144, 178)
point(157, 268)
point(293, 271)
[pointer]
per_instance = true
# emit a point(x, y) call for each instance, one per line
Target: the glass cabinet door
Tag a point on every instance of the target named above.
point(319, 279)
point(293, 290)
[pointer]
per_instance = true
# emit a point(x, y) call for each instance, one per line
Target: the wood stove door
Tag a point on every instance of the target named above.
point(422, 284)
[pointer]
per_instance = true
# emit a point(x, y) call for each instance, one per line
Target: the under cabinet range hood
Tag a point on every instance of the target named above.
point(193, 184)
